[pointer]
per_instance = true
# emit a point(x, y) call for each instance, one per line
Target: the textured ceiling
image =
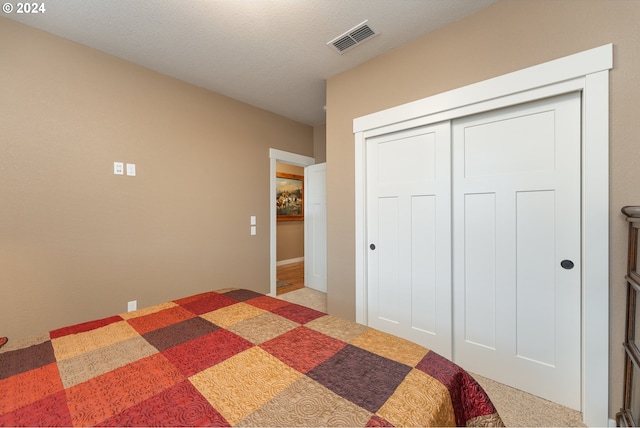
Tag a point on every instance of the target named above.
point(268, 53)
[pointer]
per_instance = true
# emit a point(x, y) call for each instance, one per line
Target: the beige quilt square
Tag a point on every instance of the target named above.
point(73, 345)
point(420, 400)
point(307, 403)
point(338, 328)
point(392, 347)
point(263, 327)
point(241, 384)
point(230, 315)
point(83, 367)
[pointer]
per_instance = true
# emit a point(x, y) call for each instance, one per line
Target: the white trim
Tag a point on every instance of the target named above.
point(290, 261)
point(360, 232)
point(586, 72)
point(595, 252)
point(276, 155)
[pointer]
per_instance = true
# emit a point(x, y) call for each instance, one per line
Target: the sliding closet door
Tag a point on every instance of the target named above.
point(516, 228)
point(409, 235)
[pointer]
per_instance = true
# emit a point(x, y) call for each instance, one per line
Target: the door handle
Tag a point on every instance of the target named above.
point(566, 264)
point(372, 246)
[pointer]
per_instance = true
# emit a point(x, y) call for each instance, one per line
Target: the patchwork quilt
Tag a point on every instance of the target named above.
point(233, 358)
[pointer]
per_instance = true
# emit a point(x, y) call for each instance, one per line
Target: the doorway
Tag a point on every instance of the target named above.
point(276, 156)
point(290, 226)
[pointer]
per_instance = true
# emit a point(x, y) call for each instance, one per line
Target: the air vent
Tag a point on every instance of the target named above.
point(352, 38)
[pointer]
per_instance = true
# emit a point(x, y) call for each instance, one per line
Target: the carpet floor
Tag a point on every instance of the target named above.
point(517, 408)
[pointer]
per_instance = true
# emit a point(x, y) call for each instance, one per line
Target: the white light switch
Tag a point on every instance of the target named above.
point(253, 230)
point(131, 169)
point(253, 220)
point(118, 168)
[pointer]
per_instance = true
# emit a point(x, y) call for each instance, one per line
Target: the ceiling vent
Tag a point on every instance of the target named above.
point(352, 38)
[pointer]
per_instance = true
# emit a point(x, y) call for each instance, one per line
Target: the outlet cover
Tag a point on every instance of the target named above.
point(132, 305)
point(131, 169)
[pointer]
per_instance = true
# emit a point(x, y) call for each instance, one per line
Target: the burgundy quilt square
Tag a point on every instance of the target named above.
point(298, 313)
point(303, 348)
point(466, 394)
point(203, 352)
point(51, 411)
point(181, 405)
point(84, 327)
point(207, 303)
point(23, 360)
point(439, 368)
point(183, 301)
point(360, 376)
point(181, 332)
point(242, 295)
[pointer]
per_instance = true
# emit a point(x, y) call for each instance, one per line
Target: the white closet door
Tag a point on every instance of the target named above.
point(516, 217)
point(409, 235)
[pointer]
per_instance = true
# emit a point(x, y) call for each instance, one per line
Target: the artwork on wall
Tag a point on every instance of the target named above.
point(289, 197)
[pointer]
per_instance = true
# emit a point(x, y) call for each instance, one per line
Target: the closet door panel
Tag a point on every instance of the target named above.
point(479, 303)
point(423, 264)
point(535, 281)
point(513, 262)
point(389, 261)
point(409, 235)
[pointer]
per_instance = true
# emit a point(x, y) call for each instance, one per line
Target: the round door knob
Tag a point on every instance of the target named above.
point(566, 264)
point(372, 246)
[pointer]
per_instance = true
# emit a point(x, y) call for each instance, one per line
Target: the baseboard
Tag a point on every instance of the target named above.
point(289, 261)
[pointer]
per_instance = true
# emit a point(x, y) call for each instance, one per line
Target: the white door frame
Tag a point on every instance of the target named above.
point(276, 155)
point(587, 72)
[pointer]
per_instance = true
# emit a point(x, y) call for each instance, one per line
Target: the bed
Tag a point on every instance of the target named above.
point(233, 357)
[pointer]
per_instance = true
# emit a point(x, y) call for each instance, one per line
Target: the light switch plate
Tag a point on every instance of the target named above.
point(118, 168)
point(253, 220)
point(253, 230)
point(131, 169)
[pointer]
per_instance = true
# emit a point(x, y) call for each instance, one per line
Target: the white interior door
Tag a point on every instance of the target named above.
point(409, 234)
point(315, 227)
point(516, 217)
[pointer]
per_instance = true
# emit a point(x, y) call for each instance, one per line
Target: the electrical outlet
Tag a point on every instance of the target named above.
point(132, 305)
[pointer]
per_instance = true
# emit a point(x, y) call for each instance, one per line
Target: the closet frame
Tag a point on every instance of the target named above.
point(586, 72)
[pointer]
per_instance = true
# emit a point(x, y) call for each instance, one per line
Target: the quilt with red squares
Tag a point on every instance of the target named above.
point(233, 358)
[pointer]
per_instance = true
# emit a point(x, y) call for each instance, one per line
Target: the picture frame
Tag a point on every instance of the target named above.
point(289, 197)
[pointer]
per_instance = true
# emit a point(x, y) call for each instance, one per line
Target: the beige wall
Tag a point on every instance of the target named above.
point(289, 234)
point(320, 143)
point(76, 241)
point(507, 36)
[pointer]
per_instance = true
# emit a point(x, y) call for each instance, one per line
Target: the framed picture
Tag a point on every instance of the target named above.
point(289, 197)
